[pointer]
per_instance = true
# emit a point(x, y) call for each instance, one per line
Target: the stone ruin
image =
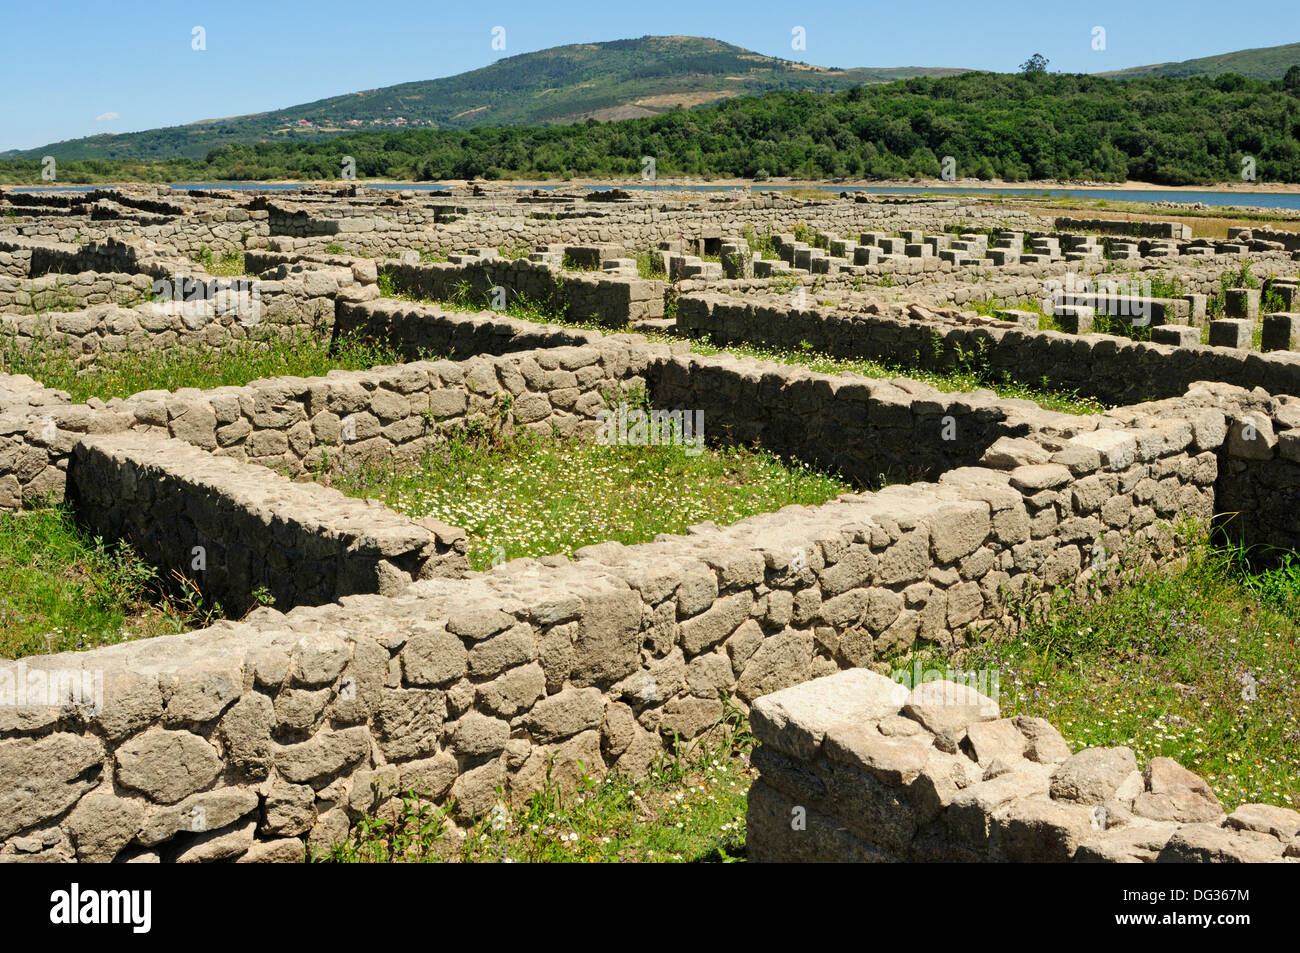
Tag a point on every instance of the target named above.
point(389, 664)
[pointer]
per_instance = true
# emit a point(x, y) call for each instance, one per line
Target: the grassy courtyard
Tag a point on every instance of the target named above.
point(539, 496)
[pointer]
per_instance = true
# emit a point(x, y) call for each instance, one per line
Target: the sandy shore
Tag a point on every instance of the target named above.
point(965, 185)
point(972, 185)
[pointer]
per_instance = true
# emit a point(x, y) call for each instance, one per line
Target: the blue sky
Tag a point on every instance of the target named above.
point(68, 62)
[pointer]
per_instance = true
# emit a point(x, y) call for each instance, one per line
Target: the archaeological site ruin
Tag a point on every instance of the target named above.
point(360, 652)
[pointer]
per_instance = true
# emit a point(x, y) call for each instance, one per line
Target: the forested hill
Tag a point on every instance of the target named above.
point(621, 79)
point(1017, 128)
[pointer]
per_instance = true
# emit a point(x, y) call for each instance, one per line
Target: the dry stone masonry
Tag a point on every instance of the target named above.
point(385, 665)
point(856, 767)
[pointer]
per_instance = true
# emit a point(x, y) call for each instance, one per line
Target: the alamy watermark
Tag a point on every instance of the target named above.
point(61, 687)
point(984, 680)
point(1130, 298)
point(198, 302)
point(633, 426)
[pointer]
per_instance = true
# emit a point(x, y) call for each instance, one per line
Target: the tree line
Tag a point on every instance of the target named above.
point(1036, 125)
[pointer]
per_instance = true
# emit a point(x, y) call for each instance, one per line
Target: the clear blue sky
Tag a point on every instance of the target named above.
point(67, 62)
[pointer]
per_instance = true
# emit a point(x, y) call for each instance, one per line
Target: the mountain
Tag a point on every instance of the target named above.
point(1270, 62)
point(622, 79)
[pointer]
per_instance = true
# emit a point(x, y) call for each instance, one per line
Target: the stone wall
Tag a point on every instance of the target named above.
point(418, 330)
point(188, 235)
point(1112, 226)
point(868, 430)
point(304, 424)
point(855, 767)
point(505, 219)
point(612, 301)
point(1115, 370)
point(232, 528)
point(56, 292)
point(1258, 490)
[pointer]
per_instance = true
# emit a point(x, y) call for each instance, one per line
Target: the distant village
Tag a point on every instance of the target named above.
point(396, 121)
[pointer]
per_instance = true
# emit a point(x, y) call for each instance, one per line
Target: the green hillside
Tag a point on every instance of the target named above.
point(623, 79)
point(1011, 127)
point(1270, 62)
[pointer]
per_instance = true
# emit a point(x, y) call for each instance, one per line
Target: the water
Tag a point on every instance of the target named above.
point(1278, 200)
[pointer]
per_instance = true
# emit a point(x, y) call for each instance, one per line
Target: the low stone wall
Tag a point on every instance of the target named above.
point(188, 234)
point(303, 424)
point(66, 292)
point(1114, 226)
point(417, 330)
point(232, 528)
point(86, 336)
point(854, 767)
point(869, 430)
point(1258, 490)
point(613, 301)
point(1112, 369)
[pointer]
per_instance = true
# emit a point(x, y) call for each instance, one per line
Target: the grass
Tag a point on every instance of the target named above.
point(530, 495)
point(650, 266)
point(62, 590)
point(124, 374)
point(1201, 664)
point(229, 265)
point(690, 807)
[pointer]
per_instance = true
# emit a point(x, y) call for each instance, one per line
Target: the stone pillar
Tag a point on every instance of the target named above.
point(1074, 318)
point(1230, 332)
point(1281, 332)
point(1242, 303)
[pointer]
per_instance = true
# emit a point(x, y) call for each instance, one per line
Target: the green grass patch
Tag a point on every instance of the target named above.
point(62, 589)
point(230, 264)
point(530, 495)
point(124, 374)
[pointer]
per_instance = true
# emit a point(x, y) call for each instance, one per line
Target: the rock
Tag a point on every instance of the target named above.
point(1045, 744)
point(1283, 823)
point(167, 766)
point(198, 813)
point(948, 706)
point(434, 658)
point(608, 643)
point(795, 719)
point(323, 757)
point(102, 824)
point(688, 717)
point(1208, 844)
point(224, 844)
point(782, 660)
point(1176, 794)
point(475, 735)
point(290, 810)
point(1093, 775)
point(996, 740)
point(285, 850)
